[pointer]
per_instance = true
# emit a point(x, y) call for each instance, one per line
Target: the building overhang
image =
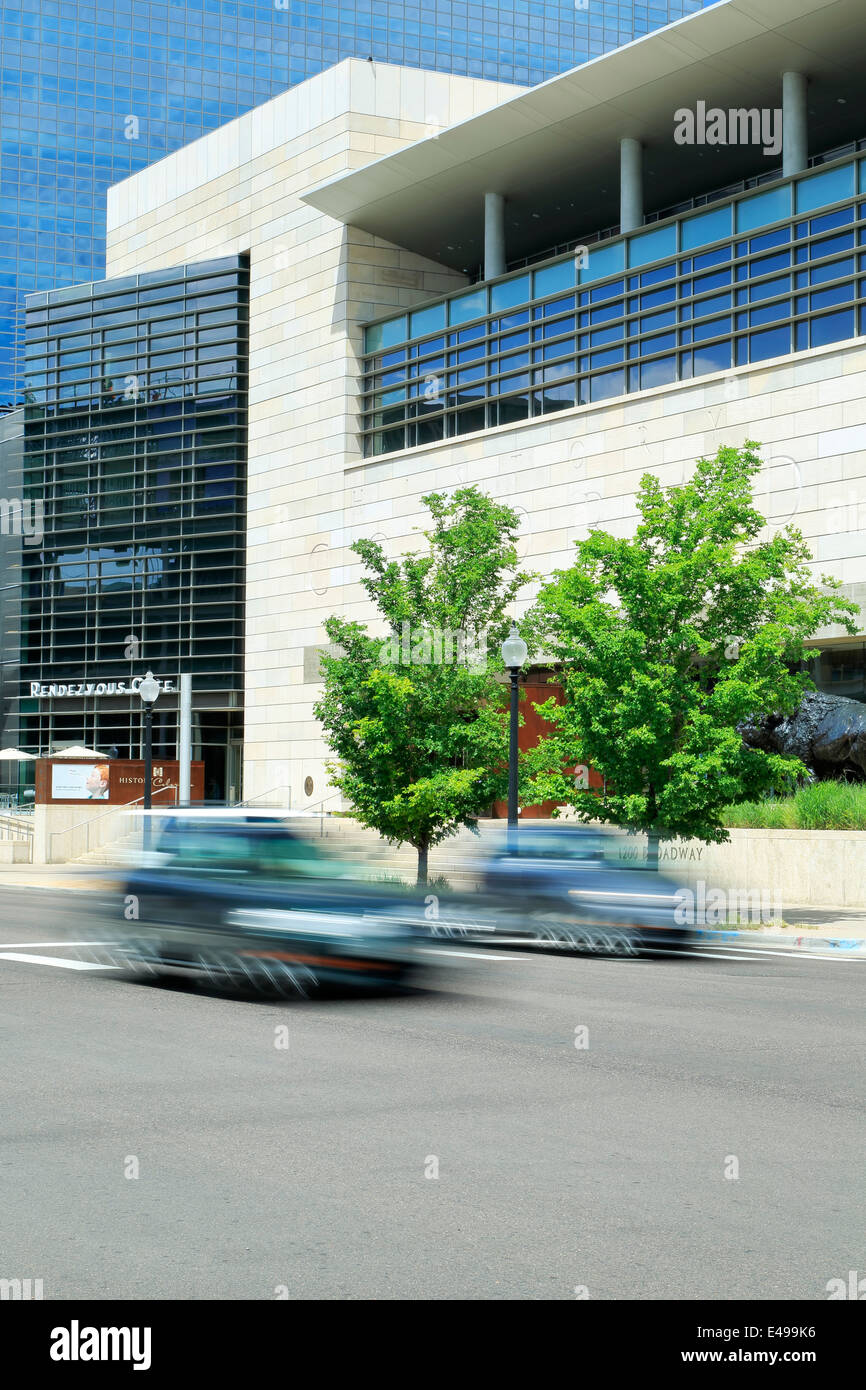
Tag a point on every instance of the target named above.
point(553, 151)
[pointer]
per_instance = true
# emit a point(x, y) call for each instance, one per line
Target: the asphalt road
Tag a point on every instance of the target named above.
point(304, 1168)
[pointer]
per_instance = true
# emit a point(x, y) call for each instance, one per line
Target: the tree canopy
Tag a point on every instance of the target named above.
point(416, 717)
point(668, 642)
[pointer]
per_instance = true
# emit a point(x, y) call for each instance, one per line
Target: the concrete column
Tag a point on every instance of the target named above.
point(630, 185)
point(184, 739)
point(494, 235)
point(795, 133)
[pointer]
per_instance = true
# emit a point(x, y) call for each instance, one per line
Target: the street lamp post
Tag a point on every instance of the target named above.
point(513, 657)
point(149, 692)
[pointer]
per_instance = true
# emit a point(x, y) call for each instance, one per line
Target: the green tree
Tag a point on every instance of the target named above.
point(417, 718)
point(669, 641)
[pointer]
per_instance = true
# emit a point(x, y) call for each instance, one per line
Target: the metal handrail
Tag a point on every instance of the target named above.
point(323, 799)
point(15, 829)
point(248, 801)
point(322, 814)
point(125, 806)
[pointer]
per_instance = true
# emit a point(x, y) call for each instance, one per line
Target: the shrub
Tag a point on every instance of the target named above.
point(818, 806)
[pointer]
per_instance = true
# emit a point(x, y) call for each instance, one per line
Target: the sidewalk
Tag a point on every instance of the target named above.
point(836, 928)
point(56, 877)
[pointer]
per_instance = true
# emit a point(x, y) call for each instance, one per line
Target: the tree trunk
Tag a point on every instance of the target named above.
point(652, 835)
point(422, 864)
point(652, 850)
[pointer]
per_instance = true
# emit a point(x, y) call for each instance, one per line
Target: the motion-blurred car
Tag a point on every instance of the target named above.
point(561, 883)
point(245, 901)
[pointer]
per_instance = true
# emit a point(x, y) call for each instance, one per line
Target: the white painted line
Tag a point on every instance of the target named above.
point(40, 945)
point(705, 955)
point(54, 960)
point(802, 953)
point(850, 958)
point(466, 955)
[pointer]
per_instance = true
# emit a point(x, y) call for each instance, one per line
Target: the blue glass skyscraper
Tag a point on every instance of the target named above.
point(92, 93)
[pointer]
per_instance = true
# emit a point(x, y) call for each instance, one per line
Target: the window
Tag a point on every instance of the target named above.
point(831, 328)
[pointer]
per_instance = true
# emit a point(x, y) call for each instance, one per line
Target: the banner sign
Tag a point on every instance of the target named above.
point(76, 689)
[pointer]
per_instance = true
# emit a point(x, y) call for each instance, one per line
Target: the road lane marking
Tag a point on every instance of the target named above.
point(791, 953)
point(61, 962)
point(465, 955)
point(29, 945)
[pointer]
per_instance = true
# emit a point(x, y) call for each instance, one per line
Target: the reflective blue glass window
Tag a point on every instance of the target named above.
point(608, 291)
point(714, 305)
point(779, 237)
point(659, 372)
point(383, 335)
point(767, 288)
point(711, 282)
point(770, 313)
point(514, 320)
point(713, 357)
point(832, 328)
point(513, 340)
point(712, 329)
point(832, 245)
point(839, 294)
point(773, 342)
point(604, 260)
point(655, 297)
point(831, 270)
point(651, 321)
point(606, 311)
point(830, 186)
point(652, 245)
point(553, 278)
point(706, 227)
point(509, 293)
point(840, 218)
point(557, 327)
point(606, 359)
point(557, 306)
point(661, 343)
point(426, 320)
point(468, 335)
point(720, 256)
point(772, 206)
point(659, 275)
point(767, 264)
point(606, 385)
point(606, 335)
point(467, 306)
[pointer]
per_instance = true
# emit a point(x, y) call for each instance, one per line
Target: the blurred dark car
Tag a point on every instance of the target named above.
point(246, 902)
point(561, 883)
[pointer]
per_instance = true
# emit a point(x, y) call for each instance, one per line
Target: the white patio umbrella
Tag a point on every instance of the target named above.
point(16, 755)
point(77, 751)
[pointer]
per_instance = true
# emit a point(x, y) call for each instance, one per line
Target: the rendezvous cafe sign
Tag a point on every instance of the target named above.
point(76, 689)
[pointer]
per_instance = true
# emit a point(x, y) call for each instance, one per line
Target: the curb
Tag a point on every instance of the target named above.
point(803, 941)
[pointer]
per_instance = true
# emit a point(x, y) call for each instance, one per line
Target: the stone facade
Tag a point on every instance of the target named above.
point(314, 282)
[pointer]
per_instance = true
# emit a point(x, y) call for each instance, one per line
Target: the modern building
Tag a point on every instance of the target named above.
point(92, 93)
point(597, 282)
point(11, 545)
point(139, 450)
